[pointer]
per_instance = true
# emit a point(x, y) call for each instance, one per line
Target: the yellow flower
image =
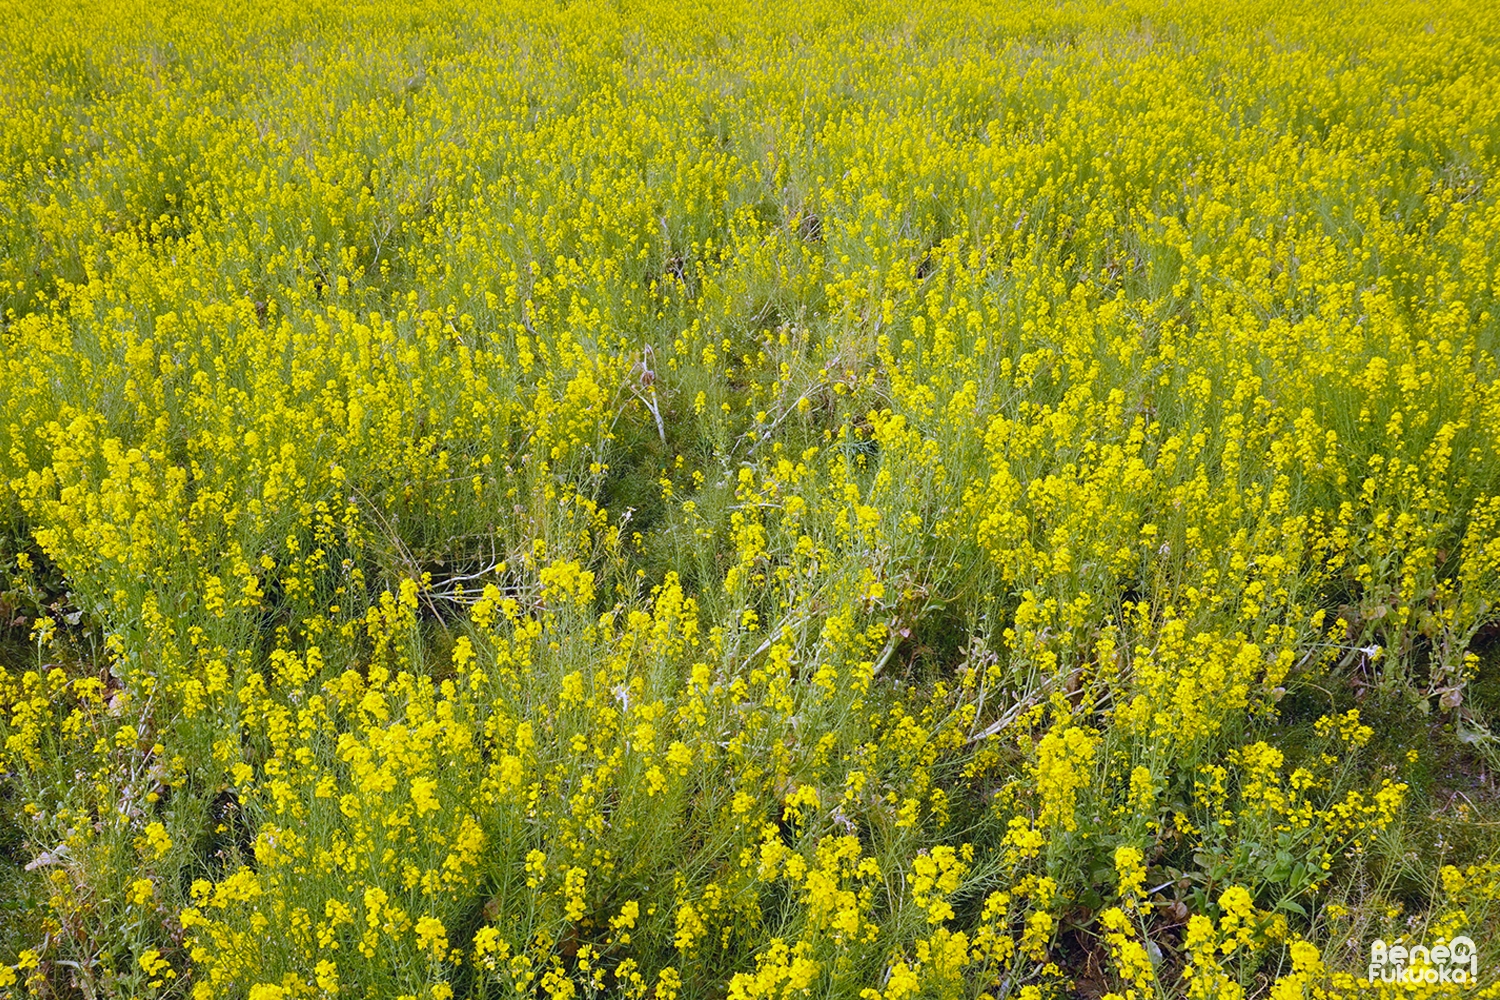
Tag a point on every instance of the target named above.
point(142, 890)
point(326, 975)
point(424, 795)
point(432, 937)
point(1131, 871)
point(1064, 757)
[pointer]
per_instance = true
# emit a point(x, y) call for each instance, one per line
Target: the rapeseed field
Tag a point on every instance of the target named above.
point(733, 501)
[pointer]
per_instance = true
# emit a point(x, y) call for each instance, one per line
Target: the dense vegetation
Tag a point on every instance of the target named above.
point(744, 501)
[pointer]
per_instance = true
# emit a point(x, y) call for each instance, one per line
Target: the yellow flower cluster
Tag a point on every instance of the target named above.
point(592, 500)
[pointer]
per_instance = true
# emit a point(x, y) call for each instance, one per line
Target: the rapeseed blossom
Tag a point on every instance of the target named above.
point(631, 500)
